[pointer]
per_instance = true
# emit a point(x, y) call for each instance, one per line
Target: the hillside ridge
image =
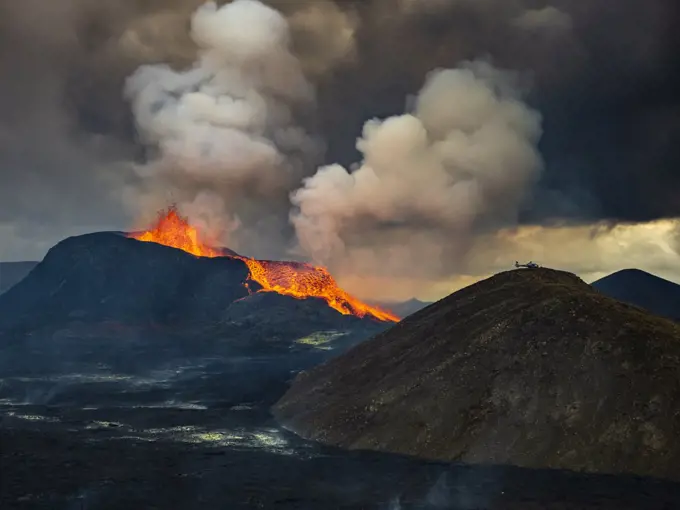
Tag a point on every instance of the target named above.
point(529, 367)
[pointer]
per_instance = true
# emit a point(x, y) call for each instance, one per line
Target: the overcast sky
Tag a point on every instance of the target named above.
point(604, 76)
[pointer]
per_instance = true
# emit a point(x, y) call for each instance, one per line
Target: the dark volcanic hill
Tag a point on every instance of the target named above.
point(104, 296)
point(106, 276)
point(529, 367)
point(643, 289)
point(12, 273)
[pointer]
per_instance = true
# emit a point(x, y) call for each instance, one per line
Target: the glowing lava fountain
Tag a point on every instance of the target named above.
point(294, 279)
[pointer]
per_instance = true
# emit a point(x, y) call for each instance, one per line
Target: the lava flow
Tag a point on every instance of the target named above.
point(294, 279)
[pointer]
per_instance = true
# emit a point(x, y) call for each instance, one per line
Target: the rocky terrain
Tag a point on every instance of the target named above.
point(134, 375)
point(198, 437)
point(530, 367)
point(642, 289)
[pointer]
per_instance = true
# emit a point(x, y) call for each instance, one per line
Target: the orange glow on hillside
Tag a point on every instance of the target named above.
point(289, 278)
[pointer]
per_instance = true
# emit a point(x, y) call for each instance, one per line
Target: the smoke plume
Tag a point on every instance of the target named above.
point(460, 163)
point(225, 138)
point(605, 81)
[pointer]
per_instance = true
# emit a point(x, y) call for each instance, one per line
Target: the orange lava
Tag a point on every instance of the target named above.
point(304, 280)
point(172, 229)
point(294, 279)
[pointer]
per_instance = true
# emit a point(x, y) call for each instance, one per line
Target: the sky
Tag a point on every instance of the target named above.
point(594, 91)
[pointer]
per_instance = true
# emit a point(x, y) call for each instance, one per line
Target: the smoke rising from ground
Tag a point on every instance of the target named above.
point(605, 81)
point(226, 139)
point(430, 180)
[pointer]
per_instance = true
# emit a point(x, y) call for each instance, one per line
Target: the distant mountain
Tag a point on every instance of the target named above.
point(529, 367)
point(12, 273)
point(642, 289)
point(404, 308)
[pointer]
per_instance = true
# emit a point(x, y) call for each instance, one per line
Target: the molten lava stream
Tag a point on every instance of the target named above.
point(304, 280)
point(288, 278)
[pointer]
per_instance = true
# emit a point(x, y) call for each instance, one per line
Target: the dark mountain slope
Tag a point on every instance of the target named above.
point(108, 276)
point(12, 273)
point(642, 289)
point(529, 367)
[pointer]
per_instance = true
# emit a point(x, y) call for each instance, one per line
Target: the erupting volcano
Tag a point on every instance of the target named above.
point(295, 279)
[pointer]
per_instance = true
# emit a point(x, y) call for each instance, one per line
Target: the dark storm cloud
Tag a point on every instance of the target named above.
point(605, 76)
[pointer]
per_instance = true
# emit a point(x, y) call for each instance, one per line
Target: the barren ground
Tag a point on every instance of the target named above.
point(192, 442)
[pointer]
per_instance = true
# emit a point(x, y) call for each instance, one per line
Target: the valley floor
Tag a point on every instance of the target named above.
point(109, 453)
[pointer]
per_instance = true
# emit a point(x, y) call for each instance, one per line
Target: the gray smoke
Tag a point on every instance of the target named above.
point(226, 139)
point(460, 163)
point(605, 80)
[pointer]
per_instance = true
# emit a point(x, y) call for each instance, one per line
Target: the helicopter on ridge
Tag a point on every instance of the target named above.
point(528, 265)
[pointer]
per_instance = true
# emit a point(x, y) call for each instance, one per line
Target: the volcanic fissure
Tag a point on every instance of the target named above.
point(296, 279)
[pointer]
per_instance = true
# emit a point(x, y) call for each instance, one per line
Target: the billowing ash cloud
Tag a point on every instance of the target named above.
point(226, 141)
point(605, 80)
point(461, 162)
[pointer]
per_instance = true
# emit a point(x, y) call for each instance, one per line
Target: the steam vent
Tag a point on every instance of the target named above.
point(531, 367)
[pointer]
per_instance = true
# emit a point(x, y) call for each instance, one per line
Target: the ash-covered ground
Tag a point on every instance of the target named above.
point(200, 435)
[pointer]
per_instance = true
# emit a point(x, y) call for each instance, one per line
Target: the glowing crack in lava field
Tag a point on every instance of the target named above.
point(296, 279)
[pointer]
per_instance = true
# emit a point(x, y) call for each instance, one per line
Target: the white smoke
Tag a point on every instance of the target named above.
point(226, 141)
point(227, 146)
point(429, 182)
